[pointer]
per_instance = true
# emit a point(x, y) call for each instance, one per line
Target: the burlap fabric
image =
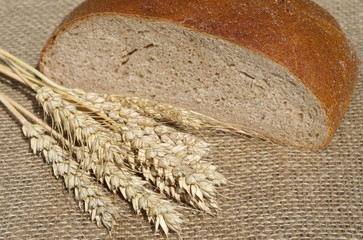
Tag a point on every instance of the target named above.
point(277, 192)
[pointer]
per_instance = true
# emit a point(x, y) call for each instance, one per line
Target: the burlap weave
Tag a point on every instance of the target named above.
point(277, 192)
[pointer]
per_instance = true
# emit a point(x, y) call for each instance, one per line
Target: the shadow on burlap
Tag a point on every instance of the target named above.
point(277, 192)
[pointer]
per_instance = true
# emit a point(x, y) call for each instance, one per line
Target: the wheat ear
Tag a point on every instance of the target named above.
point(109, 106)
point(162, 111)
point(87, 192)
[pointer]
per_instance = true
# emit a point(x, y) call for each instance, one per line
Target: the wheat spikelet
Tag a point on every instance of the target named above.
point(133, 124)
point(81, 128)
point(162, 111)
point(186, 146)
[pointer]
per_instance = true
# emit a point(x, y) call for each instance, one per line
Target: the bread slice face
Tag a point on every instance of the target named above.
point(166, 61)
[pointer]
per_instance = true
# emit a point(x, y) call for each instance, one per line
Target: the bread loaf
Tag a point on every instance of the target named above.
point(279, 69)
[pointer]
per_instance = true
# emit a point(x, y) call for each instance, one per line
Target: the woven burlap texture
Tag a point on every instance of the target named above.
point(277, 192)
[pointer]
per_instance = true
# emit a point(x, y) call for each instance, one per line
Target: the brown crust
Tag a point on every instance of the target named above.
point(298, 34)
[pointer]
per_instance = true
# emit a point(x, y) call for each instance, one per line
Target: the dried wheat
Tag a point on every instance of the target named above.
point(87, 191)
point(164, 170)
point(107, 131)
point(133, 189)
point(95, 200)
point(186, 147)
point(162, 111)
point(115, 110)
point(102, 155)
point(169, 158)
point(159, 211)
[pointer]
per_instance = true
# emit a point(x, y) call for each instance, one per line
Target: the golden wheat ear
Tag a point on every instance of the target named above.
point(90, 195)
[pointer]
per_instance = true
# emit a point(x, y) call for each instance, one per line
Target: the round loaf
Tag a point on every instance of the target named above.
point(278, 69)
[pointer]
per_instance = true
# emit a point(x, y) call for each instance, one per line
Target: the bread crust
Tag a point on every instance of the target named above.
point(297, 34)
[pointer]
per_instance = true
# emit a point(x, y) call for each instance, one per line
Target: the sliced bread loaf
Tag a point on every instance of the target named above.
point(278, 69)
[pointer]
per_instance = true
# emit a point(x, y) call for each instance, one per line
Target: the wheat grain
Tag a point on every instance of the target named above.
point(116, 111)
point(168, 171)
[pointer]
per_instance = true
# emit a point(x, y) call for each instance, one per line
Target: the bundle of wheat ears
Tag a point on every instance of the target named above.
point(98, 141)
